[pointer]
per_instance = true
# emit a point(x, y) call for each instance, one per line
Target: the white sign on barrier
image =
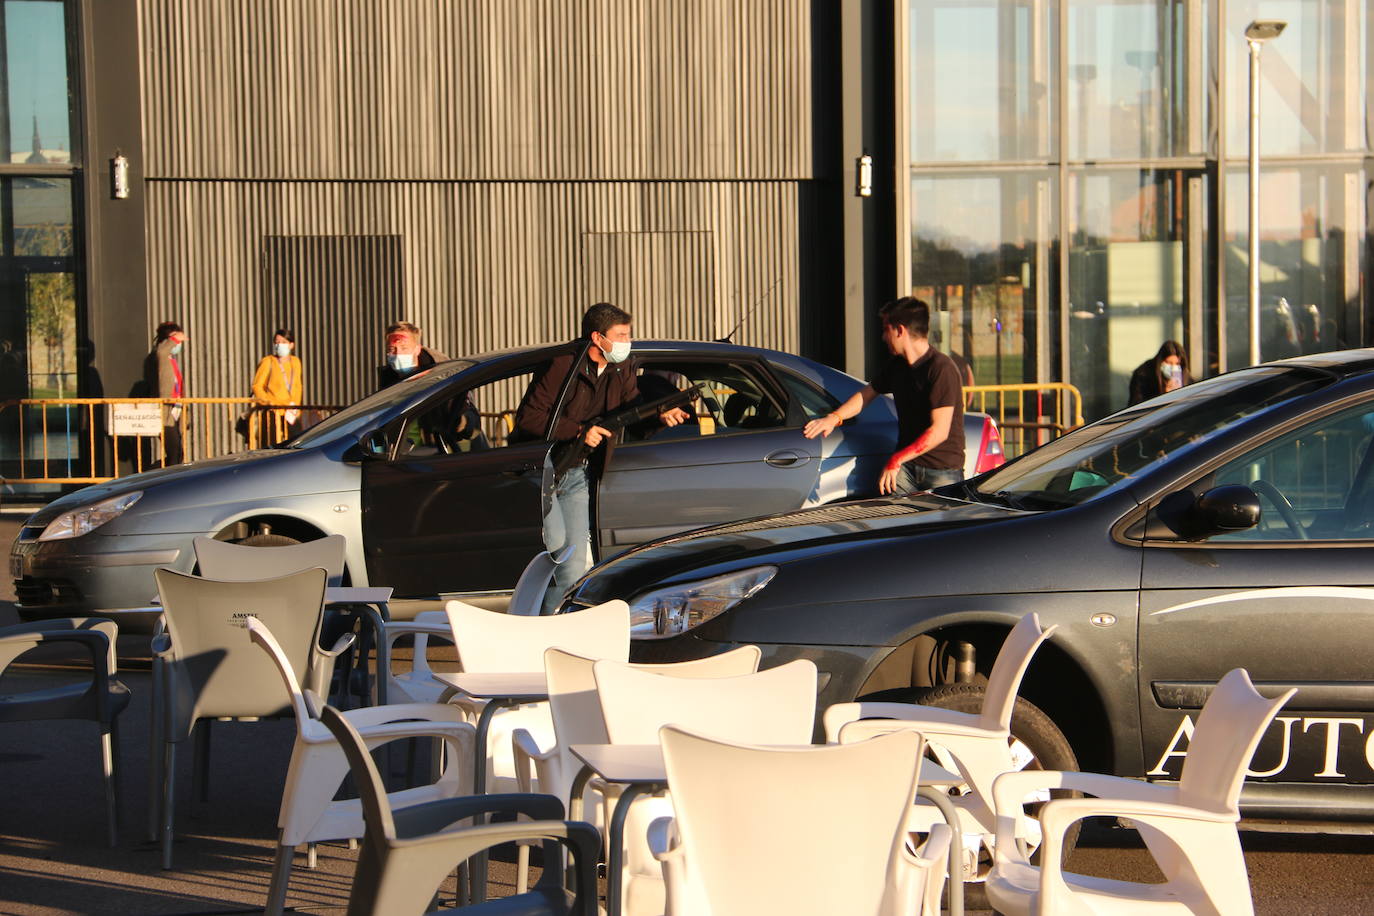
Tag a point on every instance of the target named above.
point(135, 419)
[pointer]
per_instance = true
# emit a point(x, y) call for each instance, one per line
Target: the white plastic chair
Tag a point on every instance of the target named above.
point(776, 706)
point(809, 830)
point(576, 713)
point(318, 764)
point(490, 642)
point(418, 685)
point(1189, 827)
point(977, 746)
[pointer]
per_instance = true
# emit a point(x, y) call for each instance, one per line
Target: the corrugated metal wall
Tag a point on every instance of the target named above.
point(530, 157)
point(478, 89)
point(486, 265)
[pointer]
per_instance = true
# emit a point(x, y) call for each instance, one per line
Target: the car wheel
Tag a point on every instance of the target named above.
point(267, 540)
point(1036, 744)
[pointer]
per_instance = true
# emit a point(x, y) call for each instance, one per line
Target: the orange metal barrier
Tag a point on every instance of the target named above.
point(1028, 414)
point(92, 440)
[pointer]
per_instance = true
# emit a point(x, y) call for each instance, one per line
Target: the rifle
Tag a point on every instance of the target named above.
point(571, 453)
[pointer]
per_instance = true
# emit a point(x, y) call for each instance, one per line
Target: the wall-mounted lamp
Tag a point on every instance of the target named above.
point(119, 176)
point(865, 184)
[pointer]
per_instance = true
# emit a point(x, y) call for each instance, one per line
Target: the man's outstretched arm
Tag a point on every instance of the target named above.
point(824, 426)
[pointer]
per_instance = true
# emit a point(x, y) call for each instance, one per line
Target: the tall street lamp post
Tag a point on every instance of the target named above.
point(1256, 34)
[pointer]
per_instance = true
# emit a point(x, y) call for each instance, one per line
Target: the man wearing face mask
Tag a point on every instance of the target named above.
point(603, 381)
point(163, 378)
point(405, 356)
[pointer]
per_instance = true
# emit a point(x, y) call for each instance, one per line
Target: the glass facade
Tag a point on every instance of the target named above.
point(1076, 266)
point(42, 347)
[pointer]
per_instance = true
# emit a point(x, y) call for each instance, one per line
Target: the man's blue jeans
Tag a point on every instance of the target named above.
point(567, 520)
point(916, 478)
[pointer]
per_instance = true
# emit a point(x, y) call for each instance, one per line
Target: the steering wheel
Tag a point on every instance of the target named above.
point(1285, 508)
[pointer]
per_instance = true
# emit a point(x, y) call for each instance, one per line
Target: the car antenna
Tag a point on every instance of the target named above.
point(750, 314)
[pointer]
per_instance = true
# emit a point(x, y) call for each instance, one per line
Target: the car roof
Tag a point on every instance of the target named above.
point(704, 347)
point(1345, 363)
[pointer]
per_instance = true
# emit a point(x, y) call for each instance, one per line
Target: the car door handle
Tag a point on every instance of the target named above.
point(520, 471)
point(787, 458)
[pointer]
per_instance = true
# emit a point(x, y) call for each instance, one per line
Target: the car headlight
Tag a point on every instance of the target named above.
point(678, 608)
point(81, 521)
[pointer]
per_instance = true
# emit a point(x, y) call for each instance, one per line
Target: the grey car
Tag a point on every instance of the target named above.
point(433, 503)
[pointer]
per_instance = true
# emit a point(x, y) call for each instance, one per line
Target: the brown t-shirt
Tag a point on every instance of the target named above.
point(932, 381)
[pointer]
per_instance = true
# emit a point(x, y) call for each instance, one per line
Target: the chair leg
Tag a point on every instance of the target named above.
point(169, 760)
point(155, 755)
point(200, 773)
point(107, 763)
point(522, 869)
point(281, 877)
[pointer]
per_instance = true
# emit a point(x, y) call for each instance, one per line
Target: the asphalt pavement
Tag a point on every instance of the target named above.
point(53, 857)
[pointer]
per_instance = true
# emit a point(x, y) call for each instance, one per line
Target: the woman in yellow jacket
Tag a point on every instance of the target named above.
point(278, 381)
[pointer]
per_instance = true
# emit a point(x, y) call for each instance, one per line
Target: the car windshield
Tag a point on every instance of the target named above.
point(1113, 451)
point(363, 414)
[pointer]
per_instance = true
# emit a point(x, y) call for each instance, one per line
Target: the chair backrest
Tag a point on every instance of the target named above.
point(754, 847)
point(218, 670)
point(573, 699)
point(528, 596)
point(235, 563)
point(489, 641)
point(1005, 679)
point(1228, 729)
point(776, 706)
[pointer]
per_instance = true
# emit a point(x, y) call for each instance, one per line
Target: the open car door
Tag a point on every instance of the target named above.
point(454, 504)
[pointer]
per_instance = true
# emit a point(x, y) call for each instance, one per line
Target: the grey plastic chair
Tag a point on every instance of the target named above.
point(230, 562)
point(407, 853)
point(528, 597)
point(99, 698)
point(227, 561)
point(205, 667)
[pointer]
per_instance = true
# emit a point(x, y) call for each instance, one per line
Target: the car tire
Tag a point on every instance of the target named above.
point(1035, 731)
point(267, 540)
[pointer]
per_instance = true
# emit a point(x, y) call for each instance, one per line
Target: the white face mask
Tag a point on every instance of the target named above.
point(1170, 371)
point(282, 350)
point(619, 351)
point(401, 362)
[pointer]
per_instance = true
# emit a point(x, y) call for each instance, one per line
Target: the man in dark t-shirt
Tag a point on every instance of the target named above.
point(929, 393)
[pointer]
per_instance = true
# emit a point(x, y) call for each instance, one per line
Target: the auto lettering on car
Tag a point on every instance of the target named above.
point(1227, 524)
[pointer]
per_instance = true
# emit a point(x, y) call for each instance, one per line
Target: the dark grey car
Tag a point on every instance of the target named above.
point(1227, 524)
point(430, 504)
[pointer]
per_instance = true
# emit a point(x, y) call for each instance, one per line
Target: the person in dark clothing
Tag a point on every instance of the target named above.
point(405, 355)
point(1167, 370)
point(603, 381)
point(926, 385)
point(163, 378)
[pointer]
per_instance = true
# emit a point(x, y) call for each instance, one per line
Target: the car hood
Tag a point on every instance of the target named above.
point(180, 474)
point(775, 538)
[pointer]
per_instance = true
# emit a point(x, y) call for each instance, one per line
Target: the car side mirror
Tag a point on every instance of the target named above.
point(1233, 507)
point(373, 444)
